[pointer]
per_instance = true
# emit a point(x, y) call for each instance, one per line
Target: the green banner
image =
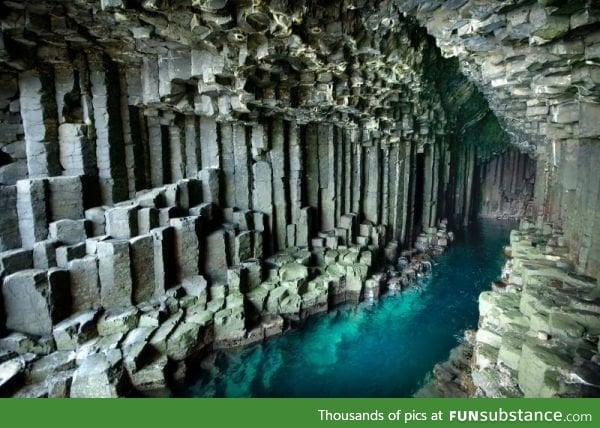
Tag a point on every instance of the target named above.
point(301, 413)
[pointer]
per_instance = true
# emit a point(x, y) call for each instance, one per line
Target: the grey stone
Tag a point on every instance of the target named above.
point(114, 269)
point(85, 285)
point(211, 189)
point(32, 211)
point(147, 220)
point(215, 257)
point(34, 300)
point(118, 321)
point(195, 286)
point(9, 224)
point(44, 254)
point(100, 375)
point(229, 324)
point(135, 348)
point(59, 384)
point(12, 261)
point(67, 231)
point(244, 248)
point(142, 268)
point(122, 221)
point(75, 330)
point(187, 246)
point(158, 341)
point(184, 341)
point(67, 253)
point(11, 374)
point(65, 198)
point(163, 243)
point(48, 365)
point(97, 217)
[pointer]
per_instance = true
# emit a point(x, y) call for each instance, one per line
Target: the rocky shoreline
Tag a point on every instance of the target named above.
point(538, 328)
point(143, 349)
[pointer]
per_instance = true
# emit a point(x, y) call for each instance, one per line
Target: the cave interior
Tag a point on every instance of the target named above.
point(183, 175)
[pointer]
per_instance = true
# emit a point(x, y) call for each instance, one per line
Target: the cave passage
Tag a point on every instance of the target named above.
point(183, 177)
point(384, 349)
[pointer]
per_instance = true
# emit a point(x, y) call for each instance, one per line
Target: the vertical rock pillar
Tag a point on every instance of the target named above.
point(38, 111)
point(110, 148)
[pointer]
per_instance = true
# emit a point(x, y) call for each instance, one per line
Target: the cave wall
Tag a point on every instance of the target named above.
point(180, 176)
point(537, 65)
point(170, 152)
point(567, 194)
point(506, 186)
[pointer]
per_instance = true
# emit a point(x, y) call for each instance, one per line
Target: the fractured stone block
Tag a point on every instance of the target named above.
point(85, 285)
point(122, 221)
point(142, 268)
point(9, 221)
point(75, 330)
point(44, 254)
point(31, 208)
point(65, 198)
point(12, 261)
point(215, 257)
point(115, 273)
point(35, 300)
point(187, 246)
point(244, 248)
point(163, 244)
point(67, 231)
point(66, 253)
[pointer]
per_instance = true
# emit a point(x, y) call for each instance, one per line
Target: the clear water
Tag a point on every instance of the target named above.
point(386, 349)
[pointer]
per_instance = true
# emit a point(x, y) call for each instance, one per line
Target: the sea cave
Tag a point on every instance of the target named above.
point(285, 198)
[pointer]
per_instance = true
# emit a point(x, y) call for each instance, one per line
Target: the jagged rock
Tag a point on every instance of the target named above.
point(11, 373)
point(118, 320)
point(59, 384)
point(12, 261)
point(159, 339)
point(229, 324)
point(34, 300)
point(75, 330)
point(114, 271)
point(50, 364)
point(135, 348)
point(184, 341)
point(100, 375)
point(67, 231)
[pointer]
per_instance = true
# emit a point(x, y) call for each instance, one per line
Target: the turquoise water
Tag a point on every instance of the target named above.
point(386, 349)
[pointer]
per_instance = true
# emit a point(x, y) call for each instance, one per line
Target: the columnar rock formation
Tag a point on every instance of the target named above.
point(506, 186)
point(181, 174)
point(537, 64)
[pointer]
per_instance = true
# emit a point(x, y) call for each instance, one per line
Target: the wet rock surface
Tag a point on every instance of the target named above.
point(537, 335)
point(131, 350)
